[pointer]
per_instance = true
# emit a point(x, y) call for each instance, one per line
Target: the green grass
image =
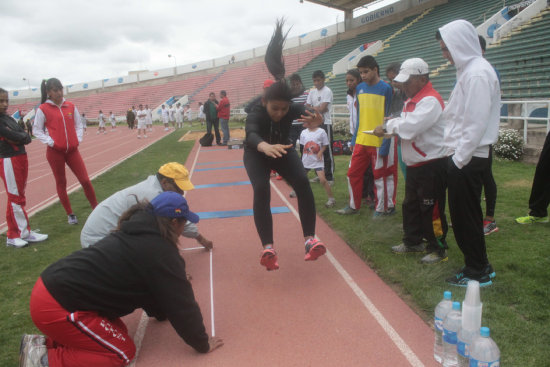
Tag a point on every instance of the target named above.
point(515, 307)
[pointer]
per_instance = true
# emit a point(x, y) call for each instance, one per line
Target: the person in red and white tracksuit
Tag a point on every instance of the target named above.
point(64, 133)
point(14, 168)
point(421, 130)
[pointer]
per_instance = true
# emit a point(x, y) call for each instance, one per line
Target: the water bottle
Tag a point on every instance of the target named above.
point(484, 351)
point(464, 344)
point(441, 310)
point(451, 325)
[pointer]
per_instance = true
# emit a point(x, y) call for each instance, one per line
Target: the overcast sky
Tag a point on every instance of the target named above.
point(78, 41)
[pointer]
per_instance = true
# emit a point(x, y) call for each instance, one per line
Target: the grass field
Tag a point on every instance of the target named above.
point(515, 306)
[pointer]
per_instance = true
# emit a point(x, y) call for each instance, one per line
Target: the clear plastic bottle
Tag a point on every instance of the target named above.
point(464, 344)
point(451, 326)
point(441, 310)
point(484, 351)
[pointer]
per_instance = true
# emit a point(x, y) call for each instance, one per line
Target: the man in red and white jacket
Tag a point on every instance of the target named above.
point(421, 131)
point(223, 109)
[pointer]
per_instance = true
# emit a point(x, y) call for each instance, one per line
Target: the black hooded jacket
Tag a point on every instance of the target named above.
point(12, 137)
point(129, 269)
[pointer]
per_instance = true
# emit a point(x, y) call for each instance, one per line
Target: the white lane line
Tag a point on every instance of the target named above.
point(192, 248)
point(376, 314)
point(212, 295)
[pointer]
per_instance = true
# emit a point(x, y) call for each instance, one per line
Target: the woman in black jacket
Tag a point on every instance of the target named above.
point(77, 302)
point(267, 147)
point(14, 169)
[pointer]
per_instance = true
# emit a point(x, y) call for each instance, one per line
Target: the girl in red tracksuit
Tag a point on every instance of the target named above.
point(64, 133)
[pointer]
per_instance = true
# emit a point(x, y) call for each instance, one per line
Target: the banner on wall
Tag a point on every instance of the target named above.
point(385, 11)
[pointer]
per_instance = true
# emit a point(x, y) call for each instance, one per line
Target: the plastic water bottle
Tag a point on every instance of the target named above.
point(451, 325)
point(464, 344)
point(471, 322)
point(484, 351)
point(441, 310)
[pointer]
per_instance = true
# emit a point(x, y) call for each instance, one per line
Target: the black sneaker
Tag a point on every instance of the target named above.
point(488, 270)
point(461, 280)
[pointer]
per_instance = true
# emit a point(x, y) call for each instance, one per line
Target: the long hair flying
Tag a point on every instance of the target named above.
point(276, 65)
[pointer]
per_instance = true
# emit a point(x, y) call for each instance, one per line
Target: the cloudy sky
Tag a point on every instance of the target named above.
point(78, 41)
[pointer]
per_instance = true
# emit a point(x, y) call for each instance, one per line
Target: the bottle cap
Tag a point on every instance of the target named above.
point(484, 332)
point(472, 293)
point(447, 295)
point(456, 306)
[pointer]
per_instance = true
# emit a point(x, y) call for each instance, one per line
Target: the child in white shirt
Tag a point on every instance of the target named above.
point(315, 142)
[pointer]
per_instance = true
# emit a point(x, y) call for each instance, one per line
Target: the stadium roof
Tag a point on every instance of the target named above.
point(344, 5)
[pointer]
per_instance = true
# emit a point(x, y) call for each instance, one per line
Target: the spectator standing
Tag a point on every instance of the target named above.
point(540, 190)
point(61, 120)
point(165, 115)
point(373, 104)
point(149, 119)
point(179, 115)
point(472, 117)
point(397, 102)
point(101, 123)
point(211, 114)
point(223, 109)
point(84, 123)
point(130, 118)
point(14, 169)
point(172, 116)
point(201, 114)
point(320, 98)
point(421, 131)
point(299, 96)
point(29, 127)
point(112, 120)
point(141, 121)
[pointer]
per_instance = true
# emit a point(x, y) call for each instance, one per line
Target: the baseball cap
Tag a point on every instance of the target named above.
point(178, 173)
point(410, 67)
point(172, 205)
point(268, 83)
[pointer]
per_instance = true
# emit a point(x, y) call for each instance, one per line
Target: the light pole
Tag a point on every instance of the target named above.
point(175, 64)
point(28, 82)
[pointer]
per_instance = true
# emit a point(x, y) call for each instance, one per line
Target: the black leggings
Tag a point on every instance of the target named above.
point(290, 167)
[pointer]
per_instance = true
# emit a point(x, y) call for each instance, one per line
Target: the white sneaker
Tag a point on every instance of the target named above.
point(35, 237)
point(330, 203)
point(139, 136)
point(144, 136)
point(314, 179)
point(33, 351)
point(16, 242)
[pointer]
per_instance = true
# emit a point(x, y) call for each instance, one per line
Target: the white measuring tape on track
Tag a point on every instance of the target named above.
point(144, 320)
point(376, 314)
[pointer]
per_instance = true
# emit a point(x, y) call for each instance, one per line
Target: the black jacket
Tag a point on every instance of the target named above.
point(10, 130)
point(259, 126)
point(129, 269)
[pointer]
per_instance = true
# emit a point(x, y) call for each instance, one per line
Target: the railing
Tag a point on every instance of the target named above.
point(524, 114)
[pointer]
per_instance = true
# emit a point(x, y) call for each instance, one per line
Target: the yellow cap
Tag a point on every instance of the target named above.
point(178, 173)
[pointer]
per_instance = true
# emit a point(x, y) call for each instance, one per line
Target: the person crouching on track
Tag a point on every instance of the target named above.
point(64, 133)
point(78, 301)
point(267, 147)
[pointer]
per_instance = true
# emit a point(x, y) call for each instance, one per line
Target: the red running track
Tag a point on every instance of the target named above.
point(99, 152)
point(332, 312)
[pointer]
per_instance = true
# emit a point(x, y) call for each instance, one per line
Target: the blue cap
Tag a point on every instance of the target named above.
point(447, 294)
point(456, 306)
point(484, 331)
point(172, 205)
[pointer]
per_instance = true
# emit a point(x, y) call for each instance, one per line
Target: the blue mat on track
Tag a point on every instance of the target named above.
point(239, 213)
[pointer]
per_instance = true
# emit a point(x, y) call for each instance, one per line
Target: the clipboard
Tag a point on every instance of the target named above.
point(371, 132)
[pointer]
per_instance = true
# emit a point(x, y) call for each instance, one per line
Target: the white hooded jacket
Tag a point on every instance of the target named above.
point(472, 112)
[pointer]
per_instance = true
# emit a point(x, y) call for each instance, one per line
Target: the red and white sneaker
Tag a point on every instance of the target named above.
point(314, 249)
point(269, 259)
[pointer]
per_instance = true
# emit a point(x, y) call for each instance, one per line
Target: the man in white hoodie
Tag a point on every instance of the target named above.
point(421, 131)
point(472, 122)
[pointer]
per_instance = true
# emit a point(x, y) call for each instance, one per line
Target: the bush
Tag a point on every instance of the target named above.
point(509, 145)
point(340, 129)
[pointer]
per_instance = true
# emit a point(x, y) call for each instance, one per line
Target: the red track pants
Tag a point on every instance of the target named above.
point(79, 339)
point(14, 172)
point(384, 170)
point(57, 161)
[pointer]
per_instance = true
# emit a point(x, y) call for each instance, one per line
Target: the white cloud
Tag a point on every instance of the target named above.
point(78, 40)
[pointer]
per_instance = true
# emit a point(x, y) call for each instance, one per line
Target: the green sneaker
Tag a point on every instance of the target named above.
point(434, 258)
point(403, 249)
point(347, 211)
point(529, 219)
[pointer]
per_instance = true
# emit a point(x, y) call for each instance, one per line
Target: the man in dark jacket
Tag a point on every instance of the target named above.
point(130, 118)
point(212, 116)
